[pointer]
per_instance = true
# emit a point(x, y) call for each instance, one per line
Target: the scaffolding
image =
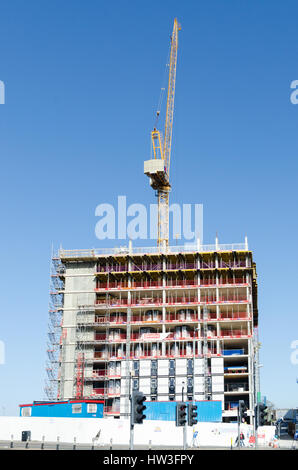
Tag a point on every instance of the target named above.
point(81, 340)
point(207, 372)
point(80, 376)
point(86, 335)
point(57, 270)
point(62, 356)
point(81, 330)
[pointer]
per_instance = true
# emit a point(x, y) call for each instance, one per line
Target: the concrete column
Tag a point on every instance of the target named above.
point(246, 243)
point(216, 243)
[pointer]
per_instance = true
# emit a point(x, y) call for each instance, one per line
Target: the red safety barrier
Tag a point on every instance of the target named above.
point(100, 336)
point(100, 355)
point(111, 285)
point(119, 337)
point(181, 300)
point(111, 302)
point(145, 319)
point(208, 282)
point(233, 316)
point(227, 298)
point(146, 285)
point(180, 266)
point(179, 283)
point(208, 299)
point(172, 317)
point(233, 333)
point(98, 391)
point(101, 319)
point(149, 301)
point(236, 264)
point(99, 373)
point(232, 281)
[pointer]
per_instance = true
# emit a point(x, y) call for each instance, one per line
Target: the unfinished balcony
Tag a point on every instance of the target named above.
point(234, 313)
point(188, 297)
point(238, 279)
point(234, 332)
point(111, 301)
point(146, 350)
point(232, 295)
point(146, 316)
point(236, 388)
point(182, 316)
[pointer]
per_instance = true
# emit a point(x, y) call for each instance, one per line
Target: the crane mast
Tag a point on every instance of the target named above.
point(158, 168)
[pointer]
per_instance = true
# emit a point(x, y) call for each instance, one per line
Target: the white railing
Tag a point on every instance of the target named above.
point(95, 252)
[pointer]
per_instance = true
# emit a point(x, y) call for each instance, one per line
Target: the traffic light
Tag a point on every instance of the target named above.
point(262, 413)
point(180, 414)
point(192, 414)
point(242, 410)
point(138, 407)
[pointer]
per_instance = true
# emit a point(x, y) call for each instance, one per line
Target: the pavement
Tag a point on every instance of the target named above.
point(284, 444)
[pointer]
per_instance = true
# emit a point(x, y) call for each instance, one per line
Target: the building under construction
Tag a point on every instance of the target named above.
point(174, 323)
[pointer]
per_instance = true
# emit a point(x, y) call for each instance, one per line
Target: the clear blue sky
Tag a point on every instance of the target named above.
point(82, 84)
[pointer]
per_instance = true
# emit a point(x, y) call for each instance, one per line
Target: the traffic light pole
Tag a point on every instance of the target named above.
point(184, 427)
point(137, 409)
point(131, 424)
point(238, 423)
point(184, 437)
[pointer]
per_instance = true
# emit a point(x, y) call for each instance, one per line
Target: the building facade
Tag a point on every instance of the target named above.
point(180, 323)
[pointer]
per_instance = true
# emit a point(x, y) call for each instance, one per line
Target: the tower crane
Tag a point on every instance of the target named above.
point(158, 167)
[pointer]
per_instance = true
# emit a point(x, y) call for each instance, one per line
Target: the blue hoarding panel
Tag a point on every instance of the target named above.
point(63, 410)
point(208, 411)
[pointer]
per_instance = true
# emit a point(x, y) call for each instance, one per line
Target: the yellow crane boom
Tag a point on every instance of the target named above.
point(158, 168)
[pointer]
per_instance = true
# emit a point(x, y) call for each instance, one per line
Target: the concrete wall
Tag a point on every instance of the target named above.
point(159, 432)
point(79, 291)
